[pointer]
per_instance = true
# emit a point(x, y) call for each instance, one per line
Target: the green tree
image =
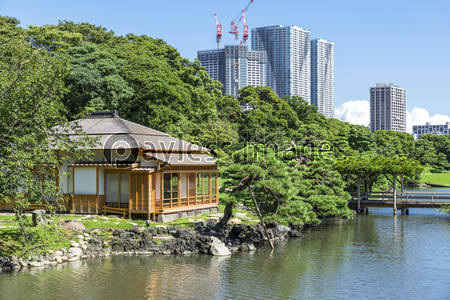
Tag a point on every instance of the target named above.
point(268, 114)
point(171, 93)
point(9, 28)
point(32, 125)
point(256, 172)
point(425, 152)
point(50, 38)
point(369, 167)
point(91, 33)
point(305, 112)
point(360, 138)
point(95, 82)
point(320, 185)
point(295, 186)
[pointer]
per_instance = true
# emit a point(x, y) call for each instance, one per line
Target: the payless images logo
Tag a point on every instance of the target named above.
point(120, 150)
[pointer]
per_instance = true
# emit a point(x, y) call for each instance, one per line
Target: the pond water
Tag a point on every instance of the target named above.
point(375, 256)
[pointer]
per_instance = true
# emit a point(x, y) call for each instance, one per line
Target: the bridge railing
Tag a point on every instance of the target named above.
point(402, 196)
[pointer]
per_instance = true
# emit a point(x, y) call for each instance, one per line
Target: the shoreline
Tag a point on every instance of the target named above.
point(161, 240)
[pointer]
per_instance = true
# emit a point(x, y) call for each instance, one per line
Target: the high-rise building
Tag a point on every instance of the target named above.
point(440, 129)
point(387, 107)
point(288, 58)
point(235, 67)
point(322, 76)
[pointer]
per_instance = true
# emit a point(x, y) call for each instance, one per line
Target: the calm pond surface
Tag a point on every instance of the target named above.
point(375, 256)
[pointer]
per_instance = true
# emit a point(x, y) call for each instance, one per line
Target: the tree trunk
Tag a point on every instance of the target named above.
point(227, 214)
point(22, 227)
point(259, 215)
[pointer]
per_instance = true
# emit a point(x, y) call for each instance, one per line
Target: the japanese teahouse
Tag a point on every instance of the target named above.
point(139, 170)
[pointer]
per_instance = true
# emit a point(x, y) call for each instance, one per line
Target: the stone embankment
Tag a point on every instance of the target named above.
point(161, 240)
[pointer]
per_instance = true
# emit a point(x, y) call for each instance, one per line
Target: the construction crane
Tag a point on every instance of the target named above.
point(245, 39)
point(235, 23)
point(219, 32)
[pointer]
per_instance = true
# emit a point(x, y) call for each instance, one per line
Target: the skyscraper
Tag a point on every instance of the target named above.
point(322, 76)
point(387, 107)
point(288, 58)
point(235, 67)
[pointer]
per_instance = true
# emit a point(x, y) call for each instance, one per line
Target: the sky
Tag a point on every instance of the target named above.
point(402, 41)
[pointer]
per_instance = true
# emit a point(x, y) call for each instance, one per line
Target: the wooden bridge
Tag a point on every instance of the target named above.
point(399, 200)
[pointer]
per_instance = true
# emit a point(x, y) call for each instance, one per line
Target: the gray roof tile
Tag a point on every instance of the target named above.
point(111, 130)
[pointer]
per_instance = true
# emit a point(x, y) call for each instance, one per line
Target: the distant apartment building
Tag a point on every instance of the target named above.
point(235, 67)
point(322, 76)
point(288, 58)
point(387, 107)
point(419, 130)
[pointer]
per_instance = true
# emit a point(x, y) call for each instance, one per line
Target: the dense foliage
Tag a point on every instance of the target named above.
point(33, 121)
point(86, 67)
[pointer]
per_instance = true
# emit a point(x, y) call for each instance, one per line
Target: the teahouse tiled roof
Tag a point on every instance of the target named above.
point(111, 130)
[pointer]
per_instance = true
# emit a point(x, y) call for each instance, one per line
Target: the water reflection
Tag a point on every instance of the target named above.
point(375, 256)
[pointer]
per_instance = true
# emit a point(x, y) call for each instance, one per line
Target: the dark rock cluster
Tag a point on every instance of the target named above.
point(205, 239)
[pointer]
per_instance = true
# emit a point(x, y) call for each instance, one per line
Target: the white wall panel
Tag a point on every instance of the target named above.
point(85, 181)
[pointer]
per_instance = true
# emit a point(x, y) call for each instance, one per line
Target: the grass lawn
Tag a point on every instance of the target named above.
point(54, 238)
point(49, 238)
point(436, 178)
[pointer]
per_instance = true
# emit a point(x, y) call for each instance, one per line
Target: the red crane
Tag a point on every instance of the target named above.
point(219, 32)
point(239, 18)
point(245, 29)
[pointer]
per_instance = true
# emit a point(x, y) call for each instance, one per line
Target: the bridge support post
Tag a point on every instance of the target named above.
point(403, 211)
point(407, 211)
point(395, 194)
point(359, 195)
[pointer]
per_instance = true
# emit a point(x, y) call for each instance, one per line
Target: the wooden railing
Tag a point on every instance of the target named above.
point(193, 201)
point(404, 196)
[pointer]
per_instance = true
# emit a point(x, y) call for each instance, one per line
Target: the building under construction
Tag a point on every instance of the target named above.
point(235, 67)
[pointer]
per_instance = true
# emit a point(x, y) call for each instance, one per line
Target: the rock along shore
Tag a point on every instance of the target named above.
point(160, 240)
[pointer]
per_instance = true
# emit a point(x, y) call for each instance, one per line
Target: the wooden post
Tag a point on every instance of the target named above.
point(179, 189)
point(395, 194)
point(401, 177)
point(195, 188)
point(260, 216)
point(188, 188)
point(217, 187)
point(130, 201)
point(150, 192)
point(73, 190)
point(142, 192)
point(359, 194)
point(209, 188)
point(97, 198)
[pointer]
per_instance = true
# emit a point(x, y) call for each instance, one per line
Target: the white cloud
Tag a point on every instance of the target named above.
point(355, 112)
point(358, 113)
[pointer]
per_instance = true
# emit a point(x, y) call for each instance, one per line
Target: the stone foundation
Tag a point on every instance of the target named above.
point(169, 217)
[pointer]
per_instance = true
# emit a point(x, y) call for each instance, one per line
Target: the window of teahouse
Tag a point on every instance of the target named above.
point(167, 177)
point(117, 189)
point(183, 189)
point(206, 186)
point(199, 187)
point(124, 188)
point(213, 187)
point(189, 188)
point(175, 189)
point(192, 187)
point(157, 185)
